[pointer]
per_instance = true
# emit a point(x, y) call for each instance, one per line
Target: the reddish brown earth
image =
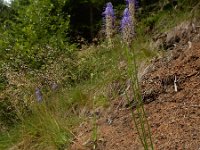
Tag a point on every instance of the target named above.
point(174, 117)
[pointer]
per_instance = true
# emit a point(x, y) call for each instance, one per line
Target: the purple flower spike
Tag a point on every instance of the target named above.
point(109, 21)
point(126, 13)
point(109, 10)
point(132, 5)
point(38, 95)
point(127, 27)
point(126, 20)
point(109, 4)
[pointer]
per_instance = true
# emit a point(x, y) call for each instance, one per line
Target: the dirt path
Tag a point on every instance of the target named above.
point(174, 116)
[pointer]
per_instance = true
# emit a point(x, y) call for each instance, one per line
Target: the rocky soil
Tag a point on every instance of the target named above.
point(171, 92)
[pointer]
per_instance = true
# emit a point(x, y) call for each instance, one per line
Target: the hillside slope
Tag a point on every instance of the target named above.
point(174, 116)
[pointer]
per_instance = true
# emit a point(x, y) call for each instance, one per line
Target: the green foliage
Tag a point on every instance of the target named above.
point(77, 98)
point(37, 30)
point(101, 101)
point(8, 114)
point(35, 46)
point(3, 81)
point(7, 139)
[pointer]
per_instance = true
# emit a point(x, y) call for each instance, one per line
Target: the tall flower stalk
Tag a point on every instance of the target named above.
point(132, 5)
point(109, 20)
point(139, 116)
point(127, 27)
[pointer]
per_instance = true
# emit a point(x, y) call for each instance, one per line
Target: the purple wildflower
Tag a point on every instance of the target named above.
point(38, 95)
point(126, 13)
point(109, 10)
point(127, 27)
point(109, 20)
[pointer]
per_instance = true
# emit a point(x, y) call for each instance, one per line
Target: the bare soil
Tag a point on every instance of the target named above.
point(174, 116)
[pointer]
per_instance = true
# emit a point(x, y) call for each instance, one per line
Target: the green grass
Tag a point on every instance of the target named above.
point(49, 124)
point(7, 139)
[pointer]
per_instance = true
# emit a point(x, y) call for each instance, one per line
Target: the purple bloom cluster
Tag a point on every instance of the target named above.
point(109, 10)
point(127, 23)
point(126, 20)
point(38, 95)
point(127, 27)
point(109, 21)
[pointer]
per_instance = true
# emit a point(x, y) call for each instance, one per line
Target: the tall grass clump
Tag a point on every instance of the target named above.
point(139, 116)
point(49, 124)
point(47, 128)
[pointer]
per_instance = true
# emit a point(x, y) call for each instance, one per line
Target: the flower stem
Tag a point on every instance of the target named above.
point(141, 123)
